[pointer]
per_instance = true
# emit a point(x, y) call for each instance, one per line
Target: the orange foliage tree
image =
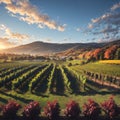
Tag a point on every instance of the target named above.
point(109, 53)
point(96, 54)
point(89, 54)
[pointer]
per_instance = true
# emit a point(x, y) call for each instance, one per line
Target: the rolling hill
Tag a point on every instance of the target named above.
point(66, 49)
point(41, 48)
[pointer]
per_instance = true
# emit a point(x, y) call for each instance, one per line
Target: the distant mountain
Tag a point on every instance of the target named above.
point(39, 48)
point(43, 48)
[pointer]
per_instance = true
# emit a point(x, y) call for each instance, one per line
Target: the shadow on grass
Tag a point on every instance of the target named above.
point(16, 98)
point(74, 85)
point(40, 94)
point(3, 100)
point(100, 93)
point(97, 89)
point(60, 94)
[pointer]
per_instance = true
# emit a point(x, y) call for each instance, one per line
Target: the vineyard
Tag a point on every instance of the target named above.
point(50, 78)
point(46, 81)
point(46, 78)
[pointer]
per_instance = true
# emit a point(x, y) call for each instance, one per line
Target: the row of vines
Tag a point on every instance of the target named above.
point(102, 78)
point(46, 78)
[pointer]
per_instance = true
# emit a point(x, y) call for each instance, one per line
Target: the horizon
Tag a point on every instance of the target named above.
point(26, 21)
point(59, 43)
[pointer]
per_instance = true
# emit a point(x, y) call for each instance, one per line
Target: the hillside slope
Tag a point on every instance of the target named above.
point(82, 50)
point(99, 51)
point(42, 48)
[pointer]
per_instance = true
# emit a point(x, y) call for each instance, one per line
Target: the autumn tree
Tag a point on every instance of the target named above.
point(96, 53)
point(109, 53)
point(89, 54)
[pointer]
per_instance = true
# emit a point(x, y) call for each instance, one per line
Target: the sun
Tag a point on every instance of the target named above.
point(2, 47)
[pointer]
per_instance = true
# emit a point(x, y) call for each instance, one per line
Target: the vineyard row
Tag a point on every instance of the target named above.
point(48, 78)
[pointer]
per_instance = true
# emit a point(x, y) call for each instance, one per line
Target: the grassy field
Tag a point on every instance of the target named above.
point(91, 91)
point(100, 67)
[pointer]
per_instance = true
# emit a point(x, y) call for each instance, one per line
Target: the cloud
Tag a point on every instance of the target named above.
point(16, 35)
point(78, 29)
point(11, 39)
point(2, 27)
point(41, 26)
point(13, 35)
point(107, 24)
point(5, 43)
point(6, 1)
point(90, 26)
point(116, 6)
point(108, 29)
point(29, 13)
point(103, 17)
point(19, 36)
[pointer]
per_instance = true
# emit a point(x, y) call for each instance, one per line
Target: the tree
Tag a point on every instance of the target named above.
point(117, 54)
point(96, 53)
point(109, 53)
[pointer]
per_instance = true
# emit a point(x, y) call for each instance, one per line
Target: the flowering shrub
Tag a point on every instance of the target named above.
point(72, 110)
point(52, 110)
point(110, 108)
point(32, 110)
point(91, 109)
point(10, 109)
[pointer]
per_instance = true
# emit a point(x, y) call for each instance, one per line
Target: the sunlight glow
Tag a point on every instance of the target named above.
point(2, 47)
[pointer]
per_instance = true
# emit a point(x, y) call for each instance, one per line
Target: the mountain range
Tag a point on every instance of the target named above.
point(44, 48)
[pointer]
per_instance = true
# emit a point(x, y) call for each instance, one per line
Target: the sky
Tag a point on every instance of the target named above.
point(58, 21)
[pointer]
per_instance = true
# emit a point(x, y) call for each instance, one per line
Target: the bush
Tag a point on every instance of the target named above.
point(52, 110)
point(72, 110)
point(10, 109)
point(32, 110)
point(91, 109)
point(110, 108)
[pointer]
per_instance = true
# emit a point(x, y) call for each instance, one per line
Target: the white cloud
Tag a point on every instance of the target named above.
point(116, 6)
point(90, 26)
point(108, 23)
point(6, 1)
point(13, 35)
point(5, 43)
point(41, 26)
point(10, 39)
point(30, 14)
point(101, 18)
point(78, 29)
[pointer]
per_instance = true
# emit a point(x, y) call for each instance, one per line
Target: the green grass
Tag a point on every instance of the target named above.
point(103, 68)
point(23, 99)
point(74, 62)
